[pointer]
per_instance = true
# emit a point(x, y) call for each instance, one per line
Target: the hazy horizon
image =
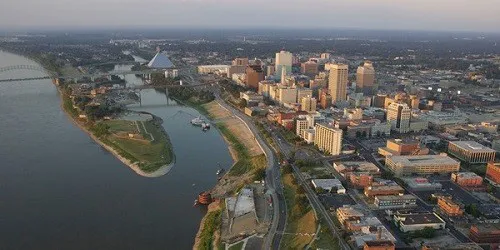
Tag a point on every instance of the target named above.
point(424, 15)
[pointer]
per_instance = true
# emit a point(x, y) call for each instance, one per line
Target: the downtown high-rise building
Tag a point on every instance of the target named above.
point(337, 82)
point(365, 78)
point(328, 139)
point(284, 60)
point(398, 115)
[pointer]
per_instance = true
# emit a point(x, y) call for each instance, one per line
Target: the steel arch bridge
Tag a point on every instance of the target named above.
point(26, 67)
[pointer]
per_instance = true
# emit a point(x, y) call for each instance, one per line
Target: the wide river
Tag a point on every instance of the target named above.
point(60, 190)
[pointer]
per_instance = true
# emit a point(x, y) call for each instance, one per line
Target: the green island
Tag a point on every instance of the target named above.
point(142, 143)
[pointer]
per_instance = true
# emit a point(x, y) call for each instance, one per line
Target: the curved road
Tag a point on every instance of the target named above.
point(273, 180)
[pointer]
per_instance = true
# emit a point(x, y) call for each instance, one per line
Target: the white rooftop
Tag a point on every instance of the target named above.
point(472, 146)
point(245, 203)
point(419, 160)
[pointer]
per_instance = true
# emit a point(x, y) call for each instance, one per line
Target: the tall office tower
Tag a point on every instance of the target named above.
point(398, 115)
point(365, 78)
point(283, 75)
point(337, 82)
point(284, 59)
point(328, 139)
point(254, 74)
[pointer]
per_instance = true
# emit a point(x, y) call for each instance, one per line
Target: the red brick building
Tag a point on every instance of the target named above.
point(485, 233)
point(361, 179)
point(467, 179)
point(493, 172)
point(379, 245)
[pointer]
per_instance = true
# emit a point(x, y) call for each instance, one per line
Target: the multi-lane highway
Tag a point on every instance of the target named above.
point(286, 150)
point(273, 179)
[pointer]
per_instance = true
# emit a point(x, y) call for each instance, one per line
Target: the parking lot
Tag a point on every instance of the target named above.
point(374, 144)
point(451, 189)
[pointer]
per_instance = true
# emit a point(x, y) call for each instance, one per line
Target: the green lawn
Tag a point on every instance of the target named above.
point(121, 126)
point(212, 223)
point(300, 217)
point(238, 246)
point(325, 240)
point(151, 155)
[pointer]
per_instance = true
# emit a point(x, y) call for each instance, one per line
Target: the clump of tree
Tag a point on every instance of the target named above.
point(100, 129)
point(426, 233)
point(472, 210)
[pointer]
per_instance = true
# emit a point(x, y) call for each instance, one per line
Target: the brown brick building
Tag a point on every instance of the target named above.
point(485, 233)
point(449, 207)
point(379, 245)
point(255, 74)
point(493, 172)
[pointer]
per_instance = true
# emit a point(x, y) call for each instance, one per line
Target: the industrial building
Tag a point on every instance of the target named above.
point(422, 184)
point(422, 164)
point(395, 201)
point(393, 189)
point(409, 222)
point(329, 185)
point(471, 152)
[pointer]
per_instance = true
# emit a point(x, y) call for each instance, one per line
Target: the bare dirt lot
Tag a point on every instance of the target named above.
point(222, 116)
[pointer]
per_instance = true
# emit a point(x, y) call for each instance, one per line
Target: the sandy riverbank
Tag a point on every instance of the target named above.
point(228, 184)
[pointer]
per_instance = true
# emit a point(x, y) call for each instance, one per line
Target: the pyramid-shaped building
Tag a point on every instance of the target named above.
point(160, 61)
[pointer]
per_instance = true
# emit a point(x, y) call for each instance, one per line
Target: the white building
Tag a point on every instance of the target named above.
point(308, 135)
point(328, 139)
point(398, 115)
point(213, 69)
point(284, 61)
point(329, 184)
point(173, 73)
point(308, 104)
point(418, 221)
point(300, 126)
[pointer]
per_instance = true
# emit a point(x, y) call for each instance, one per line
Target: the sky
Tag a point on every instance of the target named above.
point(442, 15)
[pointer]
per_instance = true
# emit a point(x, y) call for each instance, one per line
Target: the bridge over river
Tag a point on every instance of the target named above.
point(51, 74)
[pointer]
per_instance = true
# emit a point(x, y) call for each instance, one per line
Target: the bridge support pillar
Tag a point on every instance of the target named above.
point(166, 93)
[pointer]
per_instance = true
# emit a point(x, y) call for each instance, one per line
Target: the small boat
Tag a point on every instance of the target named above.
point(205, 126)
point(197, 121)
point(220, 171)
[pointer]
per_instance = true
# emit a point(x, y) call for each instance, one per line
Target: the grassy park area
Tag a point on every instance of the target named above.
point(301, 221)
point(149, 146)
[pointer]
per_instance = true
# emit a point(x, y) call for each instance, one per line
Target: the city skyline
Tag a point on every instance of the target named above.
point(461, 15)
